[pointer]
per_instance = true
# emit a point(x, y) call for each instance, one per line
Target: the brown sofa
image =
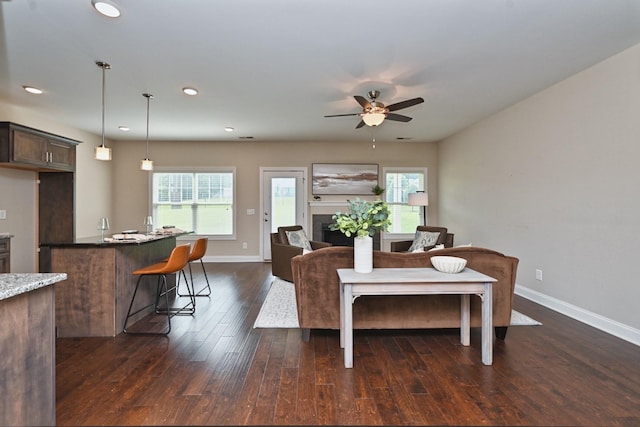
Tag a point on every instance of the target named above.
point(282, 252)
point(318, 298)
point(445, 239)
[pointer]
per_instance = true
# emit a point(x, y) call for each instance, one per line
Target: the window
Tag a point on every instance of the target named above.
point(202, 201)
point(399, 182)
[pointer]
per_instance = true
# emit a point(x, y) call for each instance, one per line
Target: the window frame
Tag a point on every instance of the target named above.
point(195, 170)
point(404, 169)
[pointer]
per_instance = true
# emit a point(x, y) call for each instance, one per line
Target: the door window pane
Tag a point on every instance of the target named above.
point(283, 202)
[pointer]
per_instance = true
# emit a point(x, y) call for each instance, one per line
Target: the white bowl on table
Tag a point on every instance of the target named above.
point(448, 264)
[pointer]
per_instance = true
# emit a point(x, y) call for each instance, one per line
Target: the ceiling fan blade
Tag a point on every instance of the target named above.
point(360, 124)
point(343, 115)
point(398, 117)
point(405, 104)
point(362, 101)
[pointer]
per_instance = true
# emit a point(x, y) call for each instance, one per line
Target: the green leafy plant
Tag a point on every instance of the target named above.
point(363, 219)
point(377, 190)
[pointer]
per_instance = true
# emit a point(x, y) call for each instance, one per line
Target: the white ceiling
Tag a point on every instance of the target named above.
point(273, 68)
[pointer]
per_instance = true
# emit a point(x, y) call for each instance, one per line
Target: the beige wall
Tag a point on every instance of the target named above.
point(552, 180)
point(131, 199)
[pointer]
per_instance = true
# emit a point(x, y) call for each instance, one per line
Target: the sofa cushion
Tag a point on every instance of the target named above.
point(299, 238)
point(423, 239)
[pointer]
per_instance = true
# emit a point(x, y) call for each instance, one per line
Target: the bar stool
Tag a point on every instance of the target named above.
point(176, 262)
point(197, 253)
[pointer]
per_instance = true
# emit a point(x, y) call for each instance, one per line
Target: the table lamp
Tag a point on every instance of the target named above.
point(420, 198)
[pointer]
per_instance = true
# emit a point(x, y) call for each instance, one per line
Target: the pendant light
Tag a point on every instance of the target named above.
point(147, 164)
point(102, 151)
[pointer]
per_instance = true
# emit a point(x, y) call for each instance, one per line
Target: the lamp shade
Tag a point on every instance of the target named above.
point(418, 199)
point(146, 165)
point(373, 119)
point(103, 153)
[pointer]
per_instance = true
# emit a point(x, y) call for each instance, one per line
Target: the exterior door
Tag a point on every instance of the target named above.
point(283, 202)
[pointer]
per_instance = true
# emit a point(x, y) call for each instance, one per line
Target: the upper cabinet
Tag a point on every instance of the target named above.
point(27, 148)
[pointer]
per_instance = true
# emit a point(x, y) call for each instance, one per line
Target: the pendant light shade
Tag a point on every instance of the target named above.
point(147, 164)
point(102, 151)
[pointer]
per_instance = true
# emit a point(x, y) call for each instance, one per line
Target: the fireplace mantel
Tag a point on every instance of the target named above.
point(332, 203)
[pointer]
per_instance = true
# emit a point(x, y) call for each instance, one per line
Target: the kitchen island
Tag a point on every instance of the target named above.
point(27, 349)
point(94, 299)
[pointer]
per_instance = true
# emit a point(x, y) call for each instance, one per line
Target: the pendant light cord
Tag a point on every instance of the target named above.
point(148, 96)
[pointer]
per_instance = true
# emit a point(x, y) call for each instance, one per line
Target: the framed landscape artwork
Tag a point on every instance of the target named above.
point(343, 178)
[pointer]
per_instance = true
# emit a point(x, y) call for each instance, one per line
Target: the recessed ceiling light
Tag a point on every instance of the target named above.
point(106, 8)
point(190, 91)
point(229, 129)
point(124, 128)
point(32, 89)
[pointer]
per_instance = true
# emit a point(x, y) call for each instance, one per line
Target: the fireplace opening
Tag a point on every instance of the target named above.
point(336, 238)
point(321, 232)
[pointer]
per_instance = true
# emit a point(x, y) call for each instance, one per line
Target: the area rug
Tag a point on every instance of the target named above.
point(279, 309)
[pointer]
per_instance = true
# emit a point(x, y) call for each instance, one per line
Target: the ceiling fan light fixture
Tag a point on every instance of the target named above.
point(106, 8)
point(373, 119)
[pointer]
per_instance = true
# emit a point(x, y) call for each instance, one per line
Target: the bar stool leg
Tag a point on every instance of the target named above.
point(193, 285)
point(161, 283)
point(186, 310)
point(200, 294)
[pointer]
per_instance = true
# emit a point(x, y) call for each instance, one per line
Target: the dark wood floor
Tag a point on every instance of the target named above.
point(214, 368)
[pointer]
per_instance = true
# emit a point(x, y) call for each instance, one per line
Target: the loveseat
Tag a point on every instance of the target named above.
point(318, 294)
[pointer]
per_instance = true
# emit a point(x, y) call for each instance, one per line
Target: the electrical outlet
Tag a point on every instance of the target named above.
point(244, 245)
point(3, 214)
point(538, 274)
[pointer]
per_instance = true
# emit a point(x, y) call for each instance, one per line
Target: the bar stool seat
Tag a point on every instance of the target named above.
point(176, 263)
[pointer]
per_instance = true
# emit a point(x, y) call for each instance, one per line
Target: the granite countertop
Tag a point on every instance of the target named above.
point(96, 241)
point(13, 284)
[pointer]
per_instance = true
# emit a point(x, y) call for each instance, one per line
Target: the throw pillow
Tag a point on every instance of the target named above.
point(299, 238)
point(423, 238)
point(437, 247)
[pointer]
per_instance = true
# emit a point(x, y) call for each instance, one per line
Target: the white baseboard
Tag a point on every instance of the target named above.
point(605, 324)
point(214, 258)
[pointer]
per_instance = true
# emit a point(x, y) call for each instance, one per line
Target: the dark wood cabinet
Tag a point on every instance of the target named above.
point(27, 148)
point(53, 157)
point(5, 254)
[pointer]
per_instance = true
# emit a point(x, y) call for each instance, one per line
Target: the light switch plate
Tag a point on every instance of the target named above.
point(3, 214)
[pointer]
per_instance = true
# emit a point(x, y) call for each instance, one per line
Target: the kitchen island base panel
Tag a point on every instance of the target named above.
point(27, 359)
point(93, 301)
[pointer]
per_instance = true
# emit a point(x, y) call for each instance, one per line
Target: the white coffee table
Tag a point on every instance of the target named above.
point(417, 281)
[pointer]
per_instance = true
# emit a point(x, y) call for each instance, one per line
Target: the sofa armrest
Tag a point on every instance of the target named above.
point(318, 245)
point(448, 243)
point(401, 246)
point(281, 260)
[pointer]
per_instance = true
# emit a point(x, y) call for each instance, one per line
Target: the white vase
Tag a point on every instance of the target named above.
point(363, 254)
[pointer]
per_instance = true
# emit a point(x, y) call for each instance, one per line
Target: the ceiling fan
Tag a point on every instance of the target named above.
point(374, 112)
